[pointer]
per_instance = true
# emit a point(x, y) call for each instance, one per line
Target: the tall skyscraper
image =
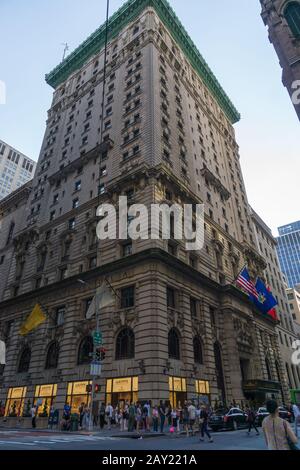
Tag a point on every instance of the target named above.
point(15, 169)
point(283, 21)
point(178, 328)
point(289, 252)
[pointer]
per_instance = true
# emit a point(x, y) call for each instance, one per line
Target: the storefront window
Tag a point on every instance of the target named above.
point(202, 391)
point(15, 401)
point(121, 390)
point(44, 397)
point(177, 391)
point(77, 394)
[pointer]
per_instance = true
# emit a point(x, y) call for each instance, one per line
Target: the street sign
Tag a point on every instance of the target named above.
point(97, 337)
point(96, 368)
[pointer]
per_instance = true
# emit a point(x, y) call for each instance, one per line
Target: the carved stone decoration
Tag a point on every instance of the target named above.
point(124, 318)
point(244, 334)
point(82, 329)
point(175, 319)
point(25, 238)
point(255, 262)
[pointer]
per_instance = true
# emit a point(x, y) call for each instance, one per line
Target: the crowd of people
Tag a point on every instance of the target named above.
point(147, 417)
point(187, 418)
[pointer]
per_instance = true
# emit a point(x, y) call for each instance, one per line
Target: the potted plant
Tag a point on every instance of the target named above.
point(13, 413)
point(44, 413)
point(27, 412)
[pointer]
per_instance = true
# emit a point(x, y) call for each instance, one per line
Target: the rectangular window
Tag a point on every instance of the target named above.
point(60, 316)
point(127, 297)
point(78, 186)
point(170, 297)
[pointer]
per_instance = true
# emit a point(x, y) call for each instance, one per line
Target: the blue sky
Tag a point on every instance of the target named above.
point(230, 35)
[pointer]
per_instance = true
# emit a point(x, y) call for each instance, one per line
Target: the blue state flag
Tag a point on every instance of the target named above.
point(264, 301)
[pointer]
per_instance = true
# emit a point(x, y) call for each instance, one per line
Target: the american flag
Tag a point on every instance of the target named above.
point(244, 282)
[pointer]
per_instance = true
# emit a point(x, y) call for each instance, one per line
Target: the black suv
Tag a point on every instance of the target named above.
point(232, 419)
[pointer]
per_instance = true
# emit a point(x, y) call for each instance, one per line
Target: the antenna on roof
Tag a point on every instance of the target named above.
point(66, 48)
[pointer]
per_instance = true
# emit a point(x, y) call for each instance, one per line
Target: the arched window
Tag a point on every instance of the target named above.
point(292, 16)
point(85, 349)
point(198, 352)
point(269, 374)
point(24, 362)
point(52, 356)
point(125, 344)
point(174, 344)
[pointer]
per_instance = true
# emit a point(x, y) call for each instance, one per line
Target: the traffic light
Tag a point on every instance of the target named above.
point(98, 354)
point(89, 388)
point(102, 352)
point(97, 388)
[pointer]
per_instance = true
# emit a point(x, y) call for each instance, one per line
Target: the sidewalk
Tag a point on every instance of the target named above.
point(105, 433)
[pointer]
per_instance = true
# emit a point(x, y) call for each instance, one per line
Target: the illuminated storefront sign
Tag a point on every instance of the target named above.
point(121, 390)
point(77, 394)
point(15, 401)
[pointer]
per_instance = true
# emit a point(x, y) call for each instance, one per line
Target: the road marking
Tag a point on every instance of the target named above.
point(17, 443)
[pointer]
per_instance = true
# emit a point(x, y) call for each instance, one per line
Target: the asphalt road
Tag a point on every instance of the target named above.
point(27, 440)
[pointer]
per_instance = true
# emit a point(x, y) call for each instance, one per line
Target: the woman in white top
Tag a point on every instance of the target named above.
point(277, 431)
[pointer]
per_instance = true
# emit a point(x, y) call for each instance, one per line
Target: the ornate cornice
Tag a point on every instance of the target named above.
point(127, 13)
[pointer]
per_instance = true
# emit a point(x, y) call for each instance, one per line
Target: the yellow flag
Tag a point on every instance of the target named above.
point(36, 318)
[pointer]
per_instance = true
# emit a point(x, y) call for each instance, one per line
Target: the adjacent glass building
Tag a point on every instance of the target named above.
point(15, 169)
point(289, 252)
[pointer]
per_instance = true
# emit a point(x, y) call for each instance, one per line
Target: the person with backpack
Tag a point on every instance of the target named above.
point(203, 422)
point(109, 415)
point(251, 417)
point(278, 432)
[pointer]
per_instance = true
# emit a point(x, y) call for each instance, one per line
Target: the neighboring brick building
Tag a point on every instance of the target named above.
point(179, 328)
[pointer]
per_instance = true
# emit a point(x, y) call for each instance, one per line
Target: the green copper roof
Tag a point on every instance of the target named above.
point(126, 14)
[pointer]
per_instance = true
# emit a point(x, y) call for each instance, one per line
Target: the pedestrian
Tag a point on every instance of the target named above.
point(179, 416)
point(86, 417)
point(185, 418)
point(155, 416)
point(131, 417)
point(146, 420)
point(109, 414)
point(162, 416)
point(174, 419)
point(251, 417)
point(278, 432)
point(296, 413)
point(203, 422)
point(33, 416)
point(102, 416)
point(81, 414)
point(192, 417)
point(139, 418)
point(125, 416)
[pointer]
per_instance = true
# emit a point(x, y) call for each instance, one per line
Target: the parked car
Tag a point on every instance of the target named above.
point(285, 414)
point(261, 414)
point(224, 419)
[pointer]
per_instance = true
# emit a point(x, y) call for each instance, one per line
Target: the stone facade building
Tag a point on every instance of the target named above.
point(179, 328)
point(287, 328)
point(283, 20)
